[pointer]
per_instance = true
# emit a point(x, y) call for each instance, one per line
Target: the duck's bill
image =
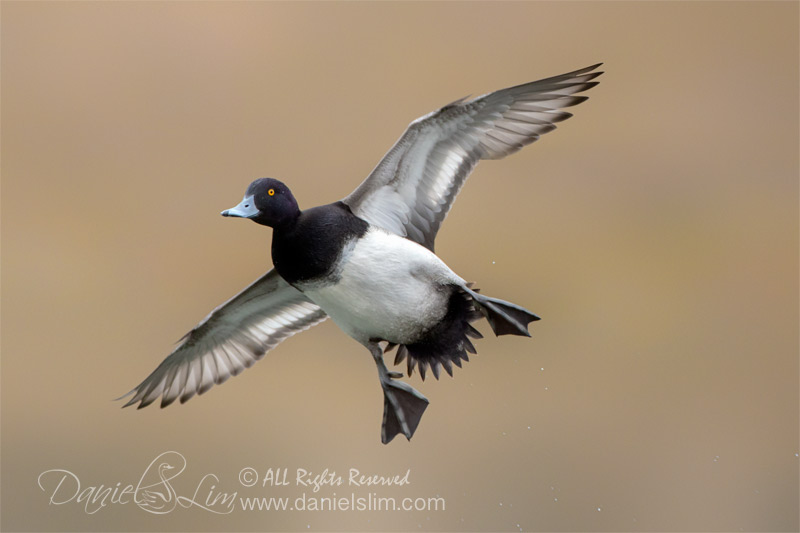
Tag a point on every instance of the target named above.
point(246, 209)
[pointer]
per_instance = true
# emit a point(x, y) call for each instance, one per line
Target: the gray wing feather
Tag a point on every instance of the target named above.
point(412, 189)
point(233, 337)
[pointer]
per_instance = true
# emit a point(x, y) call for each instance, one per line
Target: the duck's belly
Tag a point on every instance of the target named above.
point(388, 288)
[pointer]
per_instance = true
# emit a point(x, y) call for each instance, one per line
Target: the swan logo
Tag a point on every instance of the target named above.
point(153, 493)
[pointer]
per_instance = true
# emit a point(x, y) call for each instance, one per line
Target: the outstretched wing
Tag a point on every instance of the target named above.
point(413, 187)
point(233, 337)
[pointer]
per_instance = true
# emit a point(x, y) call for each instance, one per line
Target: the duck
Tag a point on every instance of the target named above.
point(367, 261)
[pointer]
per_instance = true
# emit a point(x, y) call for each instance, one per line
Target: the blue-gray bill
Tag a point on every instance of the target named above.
point(245, 209)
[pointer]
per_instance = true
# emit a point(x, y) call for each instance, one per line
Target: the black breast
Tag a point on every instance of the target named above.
point(309, 249)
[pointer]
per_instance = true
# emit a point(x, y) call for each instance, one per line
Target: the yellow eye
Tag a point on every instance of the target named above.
point(271, 192)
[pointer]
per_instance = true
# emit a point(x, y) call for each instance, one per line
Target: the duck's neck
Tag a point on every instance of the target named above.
point(309, 247)
point(287, 223)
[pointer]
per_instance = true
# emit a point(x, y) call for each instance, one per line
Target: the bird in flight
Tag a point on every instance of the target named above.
point(368, 262)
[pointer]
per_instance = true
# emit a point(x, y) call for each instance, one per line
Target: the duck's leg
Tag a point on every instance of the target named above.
point(402, 405)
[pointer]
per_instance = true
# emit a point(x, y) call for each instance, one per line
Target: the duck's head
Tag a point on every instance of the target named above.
point(267, 202)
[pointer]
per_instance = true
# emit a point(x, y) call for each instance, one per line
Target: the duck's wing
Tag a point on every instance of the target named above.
point(233, 337)
point(413, 187)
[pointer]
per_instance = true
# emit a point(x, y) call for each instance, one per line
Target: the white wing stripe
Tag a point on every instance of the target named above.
point(208, 374)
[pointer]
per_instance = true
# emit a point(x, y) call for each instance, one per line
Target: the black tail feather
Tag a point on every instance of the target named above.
point(474, 333)
point(445, 343)
point(468, 346)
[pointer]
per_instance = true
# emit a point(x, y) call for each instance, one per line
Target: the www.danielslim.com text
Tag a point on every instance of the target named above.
point(370, 502)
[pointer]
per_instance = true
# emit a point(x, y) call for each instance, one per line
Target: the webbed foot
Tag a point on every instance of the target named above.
point(402, 405)
point(402, 409)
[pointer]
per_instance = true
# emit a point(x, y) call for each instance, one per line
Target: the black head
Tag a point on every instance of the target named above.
point(268, 202)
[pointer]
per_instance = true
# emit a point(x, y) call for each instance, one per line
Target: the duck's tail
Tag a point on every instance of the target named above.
point(448, 342)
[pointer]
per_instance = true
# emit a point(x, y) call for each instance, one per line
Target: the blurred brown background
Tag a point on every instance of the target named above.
point(656, 233)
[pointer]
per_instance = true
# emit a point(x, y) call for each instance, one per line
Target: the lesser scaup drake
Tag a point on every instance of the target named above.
point(367, 261)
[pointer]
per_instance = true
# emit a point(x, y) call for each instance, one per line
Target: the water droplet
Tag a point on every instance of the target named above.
point(547, 388)
point(716, 458)
point(493, 262)
point(542, 369)
point(501, 504)
point(599, 509)
point(555, 499)
point(529, 427)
